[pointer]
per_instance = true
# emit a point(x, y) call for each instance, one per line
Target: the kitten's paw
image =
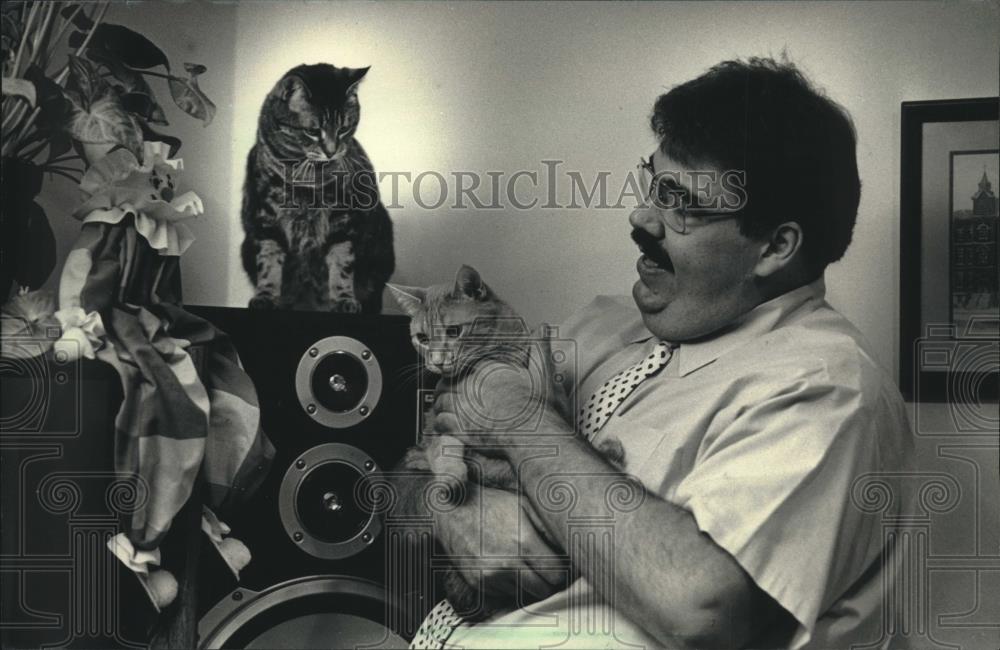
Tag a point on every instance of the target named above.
point(263, 301)
point(346, 306)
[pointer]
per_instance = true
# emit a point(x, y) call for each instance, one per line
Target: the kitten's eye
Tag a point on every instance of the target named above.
point(422, 338)
point(313, 134)
point(453, 331)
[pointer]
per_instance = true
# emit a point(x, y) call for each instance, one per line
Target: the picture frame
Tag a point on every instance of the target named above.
point(949, 346)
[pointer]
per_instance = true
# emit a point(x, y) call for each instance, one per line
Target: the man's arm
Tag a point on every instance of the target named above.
point(667, 576)
point(664, 573)
point(489, 531)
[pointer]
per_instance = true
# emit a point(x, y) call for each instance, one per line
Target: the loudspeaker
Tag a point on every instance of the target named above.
point(338, 399)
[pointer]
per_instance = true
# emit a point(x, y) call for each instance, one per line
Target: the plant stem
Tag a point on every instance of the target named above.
point(41, 35)
point(63, 159)
point(24, 38)
point(64, 174)
point(33, 137)
point(161, 75)
point(62, 30)
point(30, 155)
point(52, 168)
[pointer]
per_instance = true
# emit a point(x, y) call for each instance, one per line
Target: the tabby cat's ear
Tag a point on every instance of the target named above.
point(354, 77)
point(469, 283)
point(293, 91)
point(411, 299)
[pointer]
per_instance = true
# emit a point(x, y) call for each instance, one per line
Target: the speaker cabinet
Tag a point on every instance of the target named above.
point(338, 400)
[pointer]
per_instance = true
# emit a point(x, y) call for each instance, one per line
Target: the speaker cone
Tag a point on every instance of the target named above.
point(309, 612)
point(322, 501)
point(338, 382)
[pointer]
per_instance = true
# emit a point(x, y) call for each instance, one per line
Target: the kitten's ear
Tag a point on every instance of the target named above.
point(411, 299)
point(293, 91)
point(469, 283)
point(354, 77)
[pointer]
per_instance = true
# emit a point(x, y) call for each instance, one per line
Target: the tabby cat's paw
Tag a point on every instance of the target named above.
point(263, 301)
point(346, 306)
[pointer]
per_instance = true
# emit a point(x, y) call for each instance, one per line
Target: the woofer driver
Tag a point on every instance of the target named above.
point(338, 381)
point(308, 612)
point(322, 501)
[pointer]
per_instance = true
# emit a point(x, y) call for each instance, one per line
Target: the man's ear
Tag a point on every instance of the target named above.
point(780, 250)
point(411, 299)
point(469, 283)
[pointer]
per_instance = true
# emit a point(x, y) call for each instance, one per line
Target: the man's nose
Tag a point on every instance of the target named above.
point(645, 217)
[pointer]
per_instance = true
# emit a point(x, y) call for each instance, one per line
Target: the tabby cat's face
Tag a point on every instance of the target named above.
point(442, 319)
point(312, 113)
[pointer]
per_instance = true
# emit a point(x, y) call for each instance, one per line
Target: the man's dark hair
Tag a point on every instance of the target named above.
point(796, 146)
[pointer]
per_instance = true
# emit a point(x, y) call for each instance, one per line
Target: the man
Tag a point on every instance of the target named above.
point(746, 406)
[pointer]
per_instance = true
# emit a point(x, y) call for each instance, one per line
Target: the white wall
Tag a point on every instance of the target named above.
point(482, 86)
point(457, 86)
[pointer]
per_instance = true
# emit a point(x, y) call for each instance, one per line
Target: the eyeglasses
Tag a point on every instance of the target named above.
point(672, 201)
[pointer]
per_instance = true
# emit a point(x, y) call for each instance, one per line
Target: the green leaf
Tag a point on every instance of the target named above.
point(131, 82)
point(10, 33)
point(131, 48)
point(150, 135)
point(194, 69)
point(59, 143)
point(144, 106)
point(190, 98)
point(81, 20)
point(86, 82)
point(13, 86)
point(36, 248)
point(105, 122)
point(54, 111)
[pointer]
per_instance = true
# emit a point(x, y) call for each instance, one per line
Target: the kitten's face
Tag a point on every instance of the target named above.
point(442, 318)
point(312, 113)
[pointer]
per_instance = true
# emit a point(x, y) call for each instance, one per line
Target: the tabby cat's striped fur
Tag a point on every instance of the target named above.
point(317, 235)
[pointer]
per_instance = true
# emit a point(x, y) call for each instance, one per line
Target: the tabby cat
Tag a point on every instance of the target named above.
point(317, 235)
point(453, 326)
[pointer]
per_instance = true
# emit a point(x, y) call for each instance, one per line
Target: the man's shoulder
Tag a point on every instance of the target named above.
point(826, 347)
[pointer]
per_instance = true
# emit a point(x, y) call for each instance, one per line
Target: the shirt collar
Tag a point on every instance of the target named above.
point(760, 320)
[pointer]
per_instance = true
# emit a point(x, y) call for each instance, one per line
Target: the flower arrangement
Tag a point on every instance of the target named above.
point(92, 119)
point(74, 88)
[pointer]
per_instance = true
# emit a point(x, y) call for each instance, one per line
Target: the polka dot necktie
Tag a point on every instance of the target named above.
point(437, 627)
point(599, 407)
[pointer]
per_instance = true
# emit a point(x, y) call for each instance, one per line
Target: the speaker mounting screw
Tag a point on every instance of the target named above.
point(313, 352)
point(311, 409)
point(237, 595)
point(297, 537)
point(369, 465)
point(300, 463)
point(363, 410)
point(367, 538)
point(366, 355)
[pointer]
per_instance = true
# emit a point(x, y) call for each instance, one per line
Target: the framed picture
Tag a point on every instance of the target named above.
point(950, 250)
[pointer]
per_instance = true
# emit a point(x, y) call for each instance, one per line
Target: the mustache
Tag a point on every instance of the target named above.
point(650, 247)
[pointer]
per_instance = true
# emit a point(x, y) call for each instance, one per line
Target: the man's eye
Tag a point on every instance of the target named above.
point(453, 331)
point(422, 338)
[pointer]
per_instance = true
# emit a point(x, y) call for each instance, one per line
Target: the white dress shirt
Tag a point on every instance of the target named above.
point(761, 432)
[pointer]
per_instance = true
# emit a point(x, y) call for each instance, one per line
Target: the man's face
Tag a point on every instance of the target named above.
point(693, 284)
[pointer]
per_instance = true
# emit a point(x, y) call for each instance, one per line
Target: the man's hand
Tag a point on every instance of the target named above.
point(490, 538)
